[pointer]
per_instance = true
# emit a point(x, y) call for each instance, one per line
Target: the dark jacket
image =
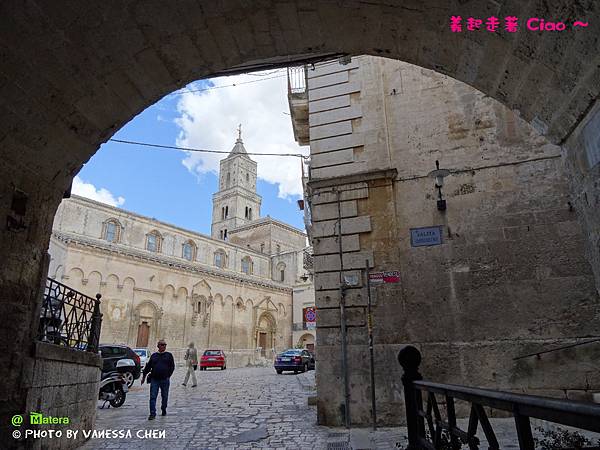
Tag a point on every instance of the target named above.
point(160, 365)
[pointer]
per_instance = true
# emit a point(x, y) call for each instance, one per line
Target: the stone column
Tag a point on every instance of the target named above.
point(27, 210)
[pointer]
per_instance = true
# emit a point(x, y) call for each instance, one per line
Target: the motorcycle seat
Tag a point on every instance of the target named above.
point(108, 374)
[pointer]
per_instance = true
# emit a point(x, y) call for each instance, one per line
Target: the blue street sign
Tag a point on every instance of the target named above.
point(426, 236)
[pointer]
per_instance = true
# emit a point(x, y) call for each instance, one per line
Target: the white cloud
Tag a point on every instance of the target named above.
point(209, 120)
point(90, 191)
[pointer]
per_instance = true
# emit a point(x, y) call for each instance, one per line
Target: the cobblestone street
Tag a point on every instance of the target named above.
point(232, 409)
point(250, 408)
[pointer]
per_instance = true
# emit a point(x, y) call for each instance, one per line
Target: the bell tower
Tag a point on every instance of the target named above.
point(236, 203)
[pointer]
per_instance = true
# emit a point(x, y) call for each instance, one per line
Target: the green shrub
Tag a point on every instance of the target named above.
point(560, 438)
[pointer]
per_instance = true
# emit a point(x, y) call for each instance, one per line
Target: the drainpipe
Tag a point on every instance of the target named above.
point(343, 318)
point(371, 357)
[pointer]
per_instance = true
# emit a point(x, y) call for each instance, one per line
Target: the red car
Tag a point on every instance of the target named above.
point(213, 358)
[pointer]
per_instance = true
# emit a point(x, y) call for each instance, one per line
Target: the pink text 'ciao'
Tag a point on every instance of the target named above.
point(509, 24)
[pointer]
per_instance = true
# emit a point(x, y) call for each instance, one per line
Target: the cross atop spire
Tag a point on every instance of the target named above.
point(238, 148)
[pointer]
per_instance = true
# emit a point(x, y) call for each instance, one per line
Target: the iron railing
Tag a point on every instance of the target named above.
point(69, 318)
point(307, 259)
point(296, 77)
point(585, 416)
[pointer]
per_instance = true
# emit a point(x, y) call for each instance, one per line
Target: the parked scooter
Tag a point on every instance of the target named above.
point(113, 386)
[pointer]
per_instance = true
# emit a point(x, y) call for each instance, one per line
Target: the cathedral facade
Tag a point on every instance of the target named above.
point(232, 290)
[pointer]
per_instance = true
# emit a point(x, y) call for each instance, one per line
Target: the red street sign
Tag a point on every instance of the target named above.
point(384, 277)
point(310, 314)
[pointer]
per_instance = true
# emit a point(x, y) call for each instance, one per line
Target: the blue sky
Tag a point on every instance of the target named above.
point(177, 187)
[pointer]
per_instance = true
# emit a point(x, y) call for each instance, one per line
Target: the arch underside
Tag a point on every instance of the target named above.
point(83, 83)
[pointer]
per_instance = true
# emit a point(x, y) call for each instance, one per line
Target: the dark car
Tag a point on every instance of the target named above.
point(295, 359)
point(112, 353)
point(311, 364)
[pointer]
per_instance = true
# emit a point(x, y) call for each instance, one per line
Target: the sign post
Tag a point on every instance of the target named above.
point(310, 318)
point(372, 360)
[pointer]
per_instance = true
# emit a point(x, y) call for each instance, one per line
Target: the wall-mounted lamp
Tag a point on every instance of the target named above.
point(439, 175)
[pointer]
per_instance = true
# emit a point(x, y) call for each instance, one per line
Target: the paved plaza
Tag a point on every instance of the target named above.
point(234, 409)
point(248, 408)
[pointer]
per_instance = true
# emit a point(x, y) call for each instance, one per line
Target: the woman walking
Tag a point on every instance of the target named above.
point(191, 358)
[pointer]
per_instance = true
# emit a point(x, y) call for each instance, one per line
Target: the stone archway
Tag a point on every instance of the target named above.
point(307, 341)
point(68, 89)
point(266, 329)
point(145, 324)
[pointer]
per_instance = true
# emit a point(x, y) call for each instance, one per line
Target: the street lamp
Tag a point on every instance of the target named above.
point(439, 174)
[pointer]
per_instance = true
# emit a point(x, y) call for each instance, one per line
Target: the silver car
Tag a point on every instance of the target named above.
point(144, 355)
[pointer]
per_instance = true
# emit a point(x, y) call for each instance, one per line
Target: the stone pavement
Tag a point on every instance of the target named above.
point(247, 408)
point(232, 409)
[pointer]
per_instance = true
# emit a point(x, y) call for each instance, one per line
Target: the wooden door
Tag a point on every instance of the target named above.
point(262, 343)
point(143, 333)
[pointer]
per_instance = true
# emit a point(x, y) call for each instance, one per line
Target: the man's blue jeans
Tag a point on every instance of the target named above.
point(164, 394)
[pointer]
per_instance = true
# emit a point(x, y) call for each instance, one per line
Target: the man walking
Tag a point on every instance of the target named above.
point(191, 358)
point(160, 367)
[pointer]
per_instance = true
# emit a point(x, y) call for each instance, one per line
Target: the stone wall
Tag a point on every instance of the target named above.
point(510, 276)
point(87, 218)
point(178, 305)
point(62, 383)
point(582, 155)
point(23, 247)
point(277, 236)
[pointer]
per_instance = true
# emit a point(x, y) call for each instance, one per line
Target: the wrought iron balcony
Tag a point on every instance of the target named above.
point(298, 101)
point(296, 80)
point(69, 318)
point(307, 262)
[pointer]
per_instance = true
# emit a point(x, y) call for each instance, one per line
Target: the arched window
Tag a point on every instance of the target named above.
point(250, 213)
point(220, 259)
point(246, 213)
point(278, 248)
point(153, 241)
point(112, 230)
point(225, 234)
point(226, 212)
point(189, 251)
point(247, 265)
point(262, 247)
point(222, 213)
point(228, 179)
point(281, 271)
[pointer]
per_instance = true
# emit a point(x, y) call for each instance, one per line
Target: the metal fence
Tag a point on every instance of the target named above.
point(69, 318)
point(431, 428)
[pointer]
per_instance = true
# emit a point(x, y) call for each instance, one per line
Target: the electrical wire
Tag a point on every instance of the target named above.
point(190, 91)
point(263, 77)
point(202, 150)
